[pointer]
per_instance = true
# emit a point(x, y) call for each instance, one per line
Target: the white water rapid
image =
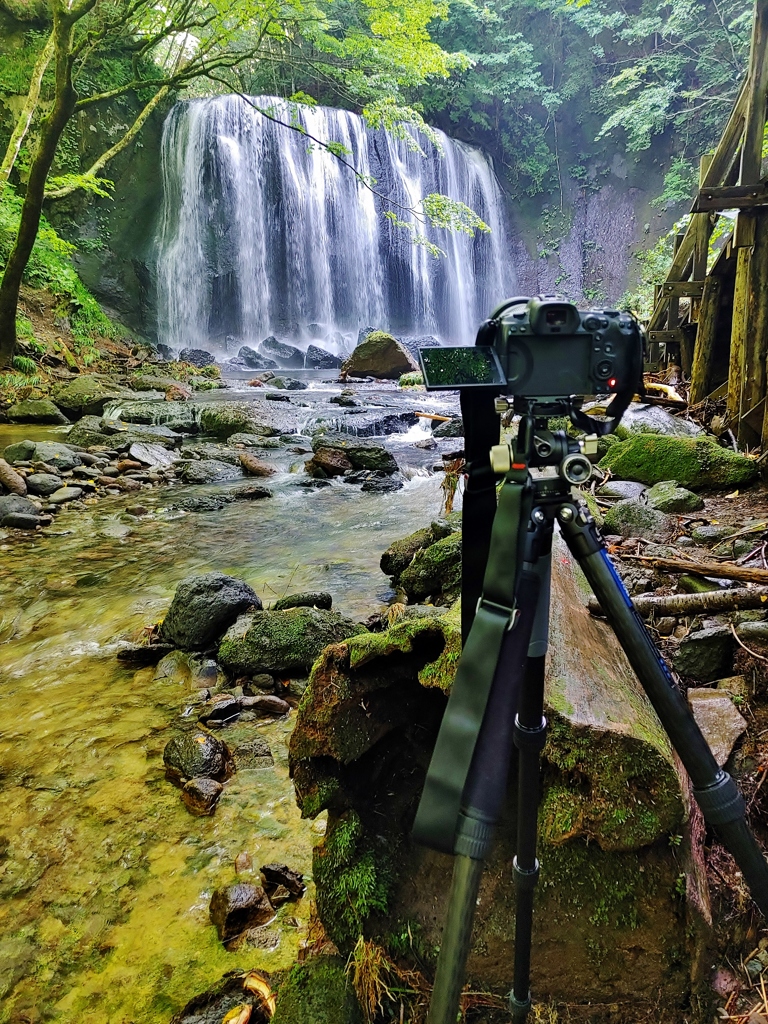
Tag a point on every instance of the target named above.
point(264, 234)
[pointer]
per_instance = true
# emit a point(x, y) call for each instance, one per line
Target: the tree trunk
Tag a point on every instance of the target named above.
point(53, 126)
point(24, 119)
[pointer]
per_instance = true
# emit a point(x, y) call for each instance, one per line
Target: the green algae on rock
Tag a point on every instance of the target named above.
point(434, 572)
point(36, 410)
point(668, 496)
point(282, 641)
point(87, 394)
point(380, 355)
point(222, 419)
point(692, 462)
point(632, 517)
point(317, 991)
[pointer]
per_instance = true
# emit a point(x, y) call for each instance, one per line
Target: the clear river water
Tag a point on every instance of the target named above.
point(105, 878)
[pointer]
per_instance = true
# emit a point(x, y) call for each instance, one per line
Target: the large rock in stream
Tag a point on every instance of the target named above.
point(380, 355)
point(612, 924)
point(203, 607)
point(693, 462)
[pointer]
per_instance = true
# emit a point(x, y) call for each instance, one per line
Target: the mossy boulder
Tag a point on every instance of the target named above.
point(286, 641)
point(434, 571)
point(87, 394)
point(203, 607)
point(361, 453)
point(222, 419)
point(35, 410)
point(318, 991)
point(411, 380)
point(693, 462)
point(380, 355)
point(632, 517)
point(668, 496)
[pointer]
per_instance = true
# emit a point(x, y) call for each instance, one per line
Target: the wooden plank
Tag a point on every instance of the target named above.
point(754, 380)
point(731, 197)
point(703, 352)
point(738, 334)
point(703, 230)
point(666, 337)
point(754, 126)
point(722, 159)
point(683, 289)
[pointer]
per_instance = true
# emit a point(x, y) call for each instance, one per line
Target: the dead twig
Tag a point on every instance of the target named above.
point(752, 653)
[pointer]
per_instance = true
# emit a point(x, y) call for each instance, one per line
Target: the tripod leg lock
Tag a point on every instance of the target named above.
point(525, 879)
point(474, 835)
point(722, 802)
point(530, 739)
point(519, 1008)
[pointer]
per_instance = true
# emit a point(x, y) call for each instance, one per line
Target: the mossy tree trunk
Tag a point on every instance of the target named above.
point(65, 97)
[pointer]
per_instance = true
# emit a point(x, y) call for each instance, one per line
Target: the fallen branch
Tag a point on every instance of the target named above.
point(694, 604)
point(720, 570)
point(749, 651)
point(432, 416)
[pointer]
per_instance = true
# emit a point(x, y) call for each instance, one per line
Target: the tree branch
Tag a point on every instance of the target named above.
point(24, 119)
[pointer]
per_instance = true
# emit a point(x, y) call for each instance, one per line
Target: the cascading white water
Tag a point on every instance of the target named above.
point(263, 233)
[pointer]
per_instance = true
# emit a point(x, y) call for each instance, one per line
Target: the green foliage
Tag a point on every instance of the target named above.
point(680, 184)
point(24, 365)
point(50, 266)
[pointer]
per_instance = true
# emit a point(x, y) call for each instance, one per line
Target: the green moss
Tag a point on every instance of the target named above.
point(594, 509)
point(692, 461)
point(353, 878)
point(317, 992)
point(434, 571)
point(411, 380)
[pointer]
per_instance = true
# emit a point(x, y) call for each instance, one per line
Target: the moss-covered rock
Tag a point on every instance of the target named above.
point(362, 453)
point(668, 496)
point(692, 462)
point(380, 355)
point(317, 991)
point(282, 641)
point(411, 380)
point(632, 517)
point(225, 418)
point(400, 553)
point(87, 394)
point(434, 571)
point(35, 410)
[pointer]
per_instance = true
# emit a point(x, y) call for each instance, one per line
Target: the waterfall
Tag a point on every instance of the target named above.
point(263, 233)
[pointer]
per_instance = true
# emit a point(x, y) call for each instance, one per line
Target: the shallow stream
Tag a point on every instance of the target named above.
point(105, 878)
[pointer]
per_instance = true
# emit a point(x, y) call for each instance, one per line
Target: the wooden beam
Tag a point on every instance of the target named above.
point(683, 289)
point(731, 197)
point(722, 158)
point(666, 337)
point(754, 126)
point(738, 335)
point(701, 374)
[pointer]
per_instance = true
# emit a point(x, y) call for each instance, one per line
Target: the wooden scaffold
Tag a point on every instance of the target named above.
point(722, 331)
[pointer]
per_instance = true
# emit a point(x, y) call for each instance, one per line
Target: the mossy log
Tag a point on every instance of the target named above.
point(611, 918)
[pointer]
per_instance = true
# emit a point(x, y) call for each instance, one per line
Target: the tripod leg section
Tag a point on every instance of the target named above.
point(715, 791)
point(454, 946)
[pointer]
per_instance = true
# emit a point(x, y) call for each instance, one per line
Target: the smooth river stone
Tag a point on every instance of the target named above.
point(64, 494)
point(43, 483)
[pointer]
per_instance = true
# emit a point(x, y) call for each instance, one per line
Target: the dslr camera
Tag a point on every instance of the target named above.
point(543, 348)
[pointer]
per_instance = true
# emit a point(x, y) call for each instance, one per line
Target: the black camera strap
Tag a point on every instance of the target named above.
point(495, 618)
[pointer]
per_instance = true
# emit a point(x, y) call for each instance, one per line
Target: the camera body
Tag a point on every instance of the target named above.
point(545, 348)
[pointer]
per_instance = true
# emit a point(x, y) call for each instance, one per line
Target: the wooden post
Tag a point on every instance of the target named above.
point(738, 334)
point(701, 375)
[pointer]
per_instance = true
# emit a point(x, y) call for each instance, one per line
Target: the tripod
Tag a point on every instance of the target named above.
point(497, 701)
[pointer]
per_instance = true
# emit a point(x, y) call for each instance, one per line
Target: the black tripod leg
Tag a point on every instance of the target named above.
point(483, 797)
point(715, 791)
point(530, 735)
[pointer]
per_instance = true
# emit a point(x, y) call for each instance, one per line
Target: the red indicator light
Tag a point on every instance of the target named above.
point(612, 382)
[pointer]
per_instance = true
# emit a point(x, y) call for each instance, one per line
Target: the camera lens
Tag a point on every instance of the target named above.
point(603, 369)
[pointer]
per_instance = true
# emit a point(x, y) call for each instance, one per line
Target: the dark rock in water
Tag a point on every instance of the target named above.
point(43, 483)
point(11, 480)
point(281, 874)
point(195, 754)
point(19, 521)
point(35, 410)
point(382, 483)
point(206, 471)
point(282, 641)
point(213, 1006)
point(433, 570)
point(15, 504)
point(319, 359)
point(222, 419)
point(310, 599)
point(705, 655)
point(201, 795)
point(328, 462)
point(287, 384)
point(312, 482)
point(236, 908)
point(139, 655)
point(20, 451)
point(254, 466)
point(315, 330)
point(197, 357)
point(58, 456)
point(209, 503)
point(285, 355)
point(254, 441)
point(65, 494)
point(265, 704)
point(380, 355)
point(346, 399)
point(452, 428)
point(273, 396)
point(165, 352)
point(220, 709)
point(203, 607)
point(254, 753)
point(362, 454)
point(250, 492)
point(251, 358)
